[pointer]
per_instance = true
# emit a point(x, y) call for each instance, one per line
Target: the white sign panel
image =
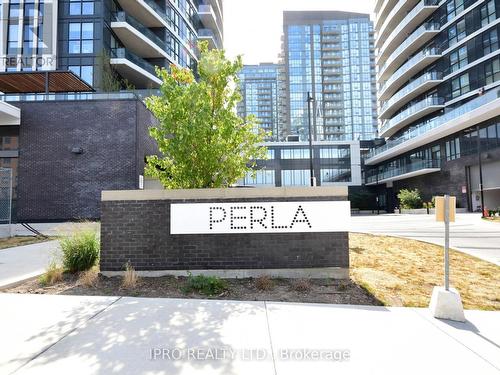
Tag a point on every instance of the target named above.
point(260, 217)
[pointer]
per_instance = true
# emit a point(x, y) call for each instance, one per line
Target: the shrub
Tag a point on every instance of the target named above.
point(264, 283)
point(52, 275)
point(410, 199)
point(130, 277)
point(89, 278)
point(301, 285)
point(207, 285)
point(80, 250)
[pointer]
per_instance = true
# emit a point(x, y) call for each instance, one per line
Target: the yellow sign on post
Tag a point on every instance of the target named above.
point(440, 208)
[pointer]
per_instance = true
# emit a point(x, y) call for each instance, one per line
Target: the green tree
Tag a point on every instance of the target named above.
point(202, 141)
point(410, 198)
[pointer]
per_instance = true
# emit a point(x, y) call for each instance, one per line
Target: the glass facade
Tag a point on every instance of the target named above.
point(455, 70)
point(93, 37)
point(259, 91)
point(333, 60)
point(288, 164)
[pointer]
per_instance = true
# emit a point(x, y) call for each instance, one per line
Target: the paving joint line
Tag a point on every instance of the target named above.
point(270, 338)
point(66, 335)
point(453, 338)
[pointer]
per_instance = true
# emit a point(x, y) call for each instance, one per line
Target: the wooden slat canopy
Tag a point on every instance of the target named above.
point(42, 82)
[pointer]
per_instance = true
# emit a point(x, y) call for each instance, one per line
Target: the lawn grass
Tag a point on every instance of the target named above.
point(22, 240)
point(402, 272)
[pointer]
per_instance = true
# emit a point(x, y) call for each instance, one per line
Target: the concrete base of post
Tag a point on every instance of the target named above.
point(447, 304)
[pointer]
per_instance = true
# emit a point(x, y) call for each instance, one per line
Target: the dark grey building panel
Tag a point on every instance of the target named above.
point(70, 151)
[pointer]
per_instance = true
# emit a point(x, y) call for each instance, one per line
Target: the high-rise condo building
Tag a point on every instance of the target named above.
point(260, 95)
point(438, 96)
point(331, 55)
point(108, 43)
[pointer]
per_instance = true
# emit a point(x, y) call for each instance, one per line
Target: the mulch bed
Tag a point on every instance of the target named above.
point(284, 290)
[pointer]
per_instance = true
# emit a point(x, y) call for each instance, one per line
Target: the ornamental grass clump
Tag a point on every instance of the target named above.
point(80, 250)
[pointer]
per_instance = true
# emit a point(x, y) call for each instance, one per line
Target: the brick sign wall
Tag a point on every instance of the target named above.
point(136, 227)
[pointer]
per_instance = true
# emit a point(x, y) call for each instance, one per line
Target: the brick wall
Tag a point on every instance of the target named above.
point(57, 184)
point(139, 231)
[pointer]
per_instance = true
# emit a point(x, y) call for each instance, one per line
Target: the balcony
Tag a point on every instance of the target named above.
point(414, 65)
point(9, 115)
point(332, 88)
point(407, 48)
point(331, 71)
point(477, 110)
point(331, 63)
point(393, 19)
point(414, 18)
point(332, 79)
point(411, 114)
point(136, 70)
point(410, 91)
point(210, 37)
point(382, 8)
point(137, 38)
point(331, 55)
point(330, 47)
point(410, 170)
point(208, 18)
point(147, 12)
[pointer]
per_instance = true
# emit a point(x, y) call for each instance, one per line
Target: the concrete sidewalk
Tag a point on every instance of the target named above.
point(47, 334)
point(23, 262)
point(469, 233)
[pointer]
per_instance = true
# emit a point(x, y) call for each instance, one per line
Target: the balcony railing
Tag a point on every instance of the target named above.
point(408, 168)
point(68, 96)
point(406, 20)
point(124, 17)
point(122, 53)
point(408, 65)
point(427, 125)
point(431, 26)
point(430, 76)
point(410, 111)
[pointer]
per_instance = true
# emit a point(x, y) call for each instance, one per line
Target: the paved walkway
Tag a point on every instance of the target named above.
point(469, 233)
point(23, 262)
point(44, 334)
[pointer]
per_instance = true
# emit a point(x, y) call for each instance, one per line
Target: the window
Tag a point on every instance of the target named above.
point(28, 38)
point(487, 13)
point(492, 71)
point(458, 59)
point(79, 7)
point(261, 177)
point(85, 72)
point(456, 32)
point(295, 177)
point(295, 153)
point(81, 37)
point(460, 85)
point(12, 43)
point(490, 41)
point(333, 175)
point(454, 7)
point(453, 149)
point(14, 9)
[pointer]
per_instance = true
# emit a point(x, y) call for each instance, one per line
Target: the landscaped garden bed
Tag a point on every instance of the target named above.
point(384, 270)
point(289, 290)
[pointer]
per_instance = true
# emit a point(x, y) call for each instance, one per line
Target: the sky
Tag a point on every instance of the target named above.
point(253, 28)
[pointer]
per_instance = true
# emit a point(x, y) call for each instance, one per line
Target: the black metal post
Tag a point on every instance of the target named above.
point(480, 171)
point(310, 99)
